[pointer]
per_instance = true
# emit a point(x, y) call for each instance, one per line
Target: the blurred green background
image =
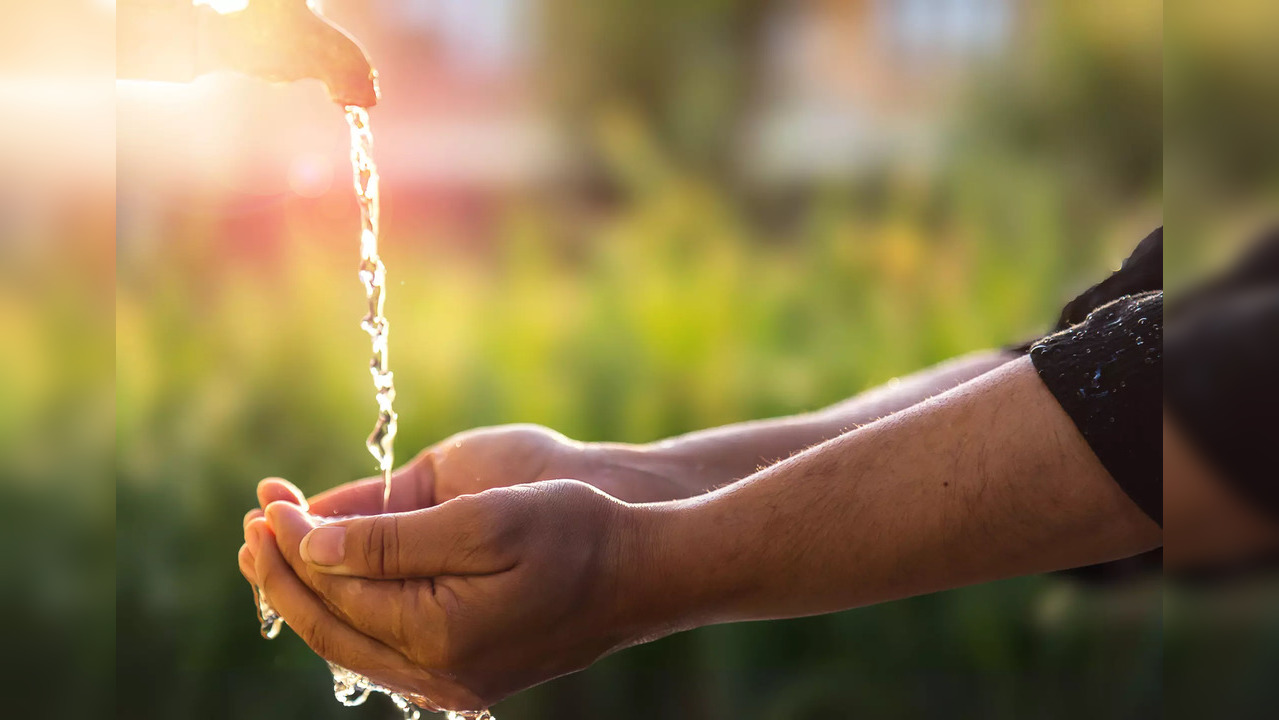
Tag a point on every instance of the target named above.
point(1221, 635)
point(703, 248)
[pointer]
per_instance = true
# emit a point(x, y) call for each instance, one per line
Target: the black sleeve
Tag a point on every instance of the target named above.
point(1142, 272)
point(1223, 387)
point(1107, 374)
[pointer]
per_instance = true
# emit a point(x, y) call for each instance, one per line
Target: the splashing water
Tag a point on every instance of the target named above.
point(351, 688)
point(270, 619)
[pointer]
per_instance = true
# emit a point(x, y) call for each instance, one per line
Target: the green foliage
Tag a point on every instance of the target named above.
point(672, 318)
point(674, 313)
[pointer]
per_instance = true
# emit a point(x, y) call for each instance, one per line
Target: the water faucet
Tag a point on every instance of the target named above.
point(276, 40)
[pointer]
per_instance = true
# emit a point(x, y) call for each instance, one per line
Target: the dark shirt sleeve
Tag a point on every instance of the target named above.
point(1142, 272)
point(1223, 387)
point(1107, 374)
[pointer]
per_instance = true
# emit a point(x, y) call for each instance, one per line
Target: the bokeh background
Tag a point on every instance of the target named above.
point(1221, 632)
point(57, 357)
point(625, 221)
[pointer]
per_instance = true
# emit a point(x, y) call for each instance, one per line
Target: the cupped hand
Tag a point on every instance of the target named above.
point(477, 460)
point(464, 603)
point(463, 464)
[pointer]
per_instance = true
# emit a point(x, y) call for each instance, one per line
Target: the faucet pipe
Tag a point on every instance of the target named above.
point(276, 40)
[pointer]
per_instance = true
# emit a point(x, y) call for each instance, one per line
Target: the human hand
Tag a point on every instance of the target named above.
point(477, 460)
point(460, 605)
point(485, 458)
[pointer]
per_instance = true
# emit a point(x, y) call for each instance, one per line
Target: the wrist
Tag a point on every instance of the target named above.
point(682, 568)
point(653, 597)
point(634, 473)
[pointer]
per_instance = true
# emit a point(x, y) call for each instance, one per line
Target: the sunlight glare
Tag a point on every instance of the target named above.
point(225, 6)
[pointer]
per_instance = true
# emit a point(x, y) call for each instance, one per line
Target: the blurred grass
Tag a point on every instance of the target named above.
point(674, 312)
point(673, 317)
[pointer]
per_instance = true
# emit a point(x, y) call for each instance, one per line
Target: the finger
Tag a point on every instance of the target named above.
point(250, 549)
point(364, 604)
point(412, 487)
point(455, 538)
point(360, 497)
point(277, 489)
point(252, 537)
point(252, 515)
point(319, 629)
point(246, 565)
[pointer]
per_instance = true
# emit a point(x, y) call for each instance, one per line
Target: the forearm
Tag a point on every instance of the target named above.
point(990, 480)
point(705, 459)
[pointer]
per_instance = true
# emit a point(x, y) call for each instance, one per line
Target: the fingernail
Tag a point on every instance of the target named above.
point(325, 545)
point(298, 497)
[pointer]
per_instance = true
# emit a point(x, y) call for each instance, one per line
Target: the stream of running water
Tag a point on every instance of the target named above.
point(351, 688)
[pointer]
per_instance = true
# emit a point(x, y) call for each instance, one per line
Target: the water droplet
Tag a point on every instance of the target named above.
point(270, 620)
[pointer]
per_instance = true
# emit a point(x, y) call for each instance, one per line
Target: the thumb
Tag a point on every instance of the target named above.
point(455, 538)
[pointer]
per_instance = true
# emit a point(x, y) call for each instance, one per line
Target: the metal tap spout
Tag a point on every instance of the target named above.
point(285, 40)
point(277, 40)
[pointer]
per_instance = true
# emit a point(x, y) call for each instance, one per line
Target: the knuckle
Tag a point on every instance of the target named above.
point(392, 547)
point(490, 529)
point(381, 547)
point(505, 521)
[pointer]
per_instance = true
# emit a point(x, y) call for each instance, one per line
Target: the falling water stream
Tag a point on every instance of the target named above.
point(373, 274)
point(351, 688)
